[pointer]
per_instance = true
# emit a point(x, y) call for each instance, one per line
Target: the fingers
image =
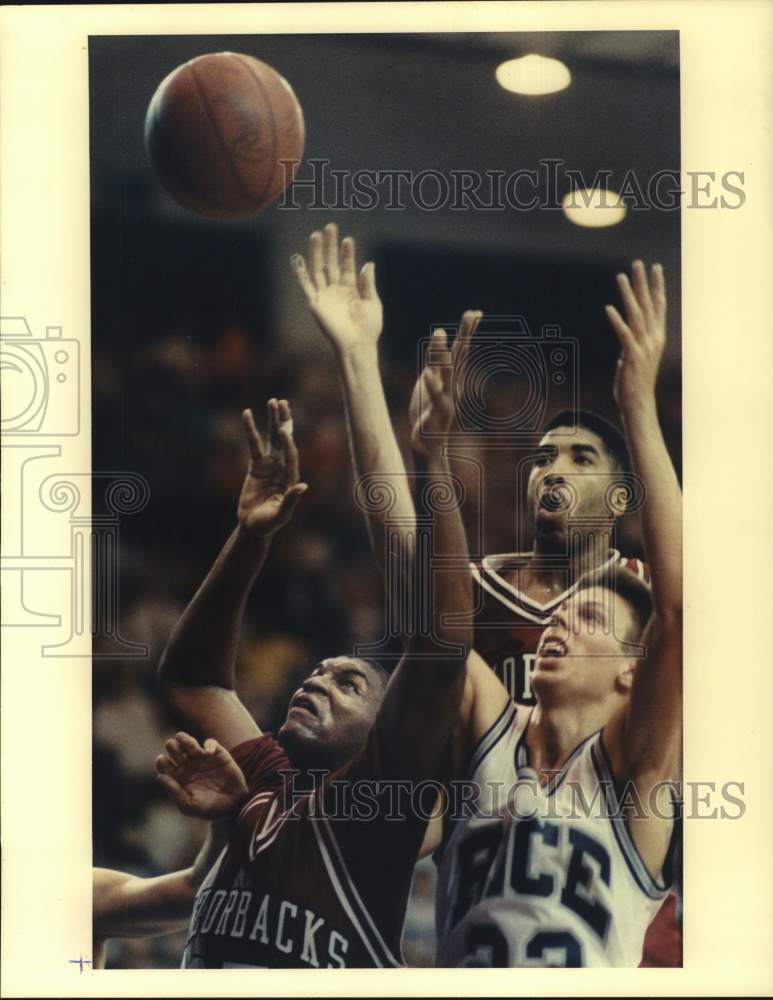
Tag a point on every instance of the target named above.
point(348, 262)
point(316, 261)
point(175, 789)
point(633, 312)
point(366, 281)
point(254, 440)
point(642, 290)
point(176, 751)
point(190, 746)
point(470, 321)
point(304, 279)
point(272, 415)
point(164, 765)
point(659, 291)
point(434, 383)
point(289, 451)
point(330, 250)
point(645, 302)
point(328, 266)
point(621, 328)
point(439, 359)
point(290, 501)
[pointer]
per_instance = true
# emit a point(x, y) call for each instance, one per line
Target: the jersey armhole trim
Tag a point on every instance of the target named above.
point(349, 897)
point(492, 736)
point(649, 885)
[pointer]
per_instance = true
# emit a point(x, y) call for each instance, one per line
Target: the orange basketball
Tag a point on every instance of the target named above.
point(216, 131)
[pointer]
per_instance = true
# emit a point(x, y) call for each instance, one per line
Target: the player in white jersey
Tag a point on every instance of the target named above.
point(543, 875)
point(572, 873)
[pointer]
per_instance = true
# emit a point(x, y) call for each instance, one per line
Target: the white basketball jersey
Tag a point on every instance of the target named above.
point(542, 876)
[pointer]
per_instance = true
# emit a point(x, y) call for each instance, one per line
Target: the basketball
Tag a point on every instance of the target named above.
point(216, 131)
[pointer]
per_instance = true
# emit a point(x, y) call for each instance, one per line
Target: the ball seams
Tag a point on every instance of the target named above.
point(219, 136)
point(267, 103)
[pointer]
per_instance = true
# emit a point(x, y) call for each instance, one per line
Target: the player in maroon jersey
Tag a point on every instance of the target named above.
point(311, 879)
point(576, 464)
point(206, 782)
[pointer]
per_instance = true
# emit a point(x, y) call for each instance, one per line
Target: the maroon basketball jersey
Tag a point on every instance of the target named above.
point(508, 624)
point(309, 879)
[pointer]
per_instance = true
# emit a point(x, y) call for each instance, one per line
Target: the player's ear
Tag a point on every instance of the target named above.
point(625, 676)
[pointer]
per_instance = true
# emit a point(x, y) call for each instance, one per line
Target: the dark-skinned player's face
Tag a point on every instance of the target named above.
point(331, 713)
point(570, 478)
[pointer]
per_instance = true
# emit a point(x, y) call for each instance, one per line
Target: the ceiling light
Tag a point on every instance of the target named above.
point(533, 74)
point(593, 207)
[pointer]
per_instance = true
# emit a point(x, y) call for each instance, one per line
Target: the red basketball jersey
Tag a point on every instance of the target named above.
point(309, 879)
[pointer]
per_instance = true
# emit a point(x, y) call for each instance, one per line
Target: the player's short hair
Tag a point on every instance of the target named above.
point(613, 438)
point(626, 584)
point(381, 667)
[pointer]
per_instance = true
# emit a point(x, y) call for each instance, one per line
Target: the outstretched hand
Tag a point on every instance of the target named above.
point(344, 303)
point(431, 410)
point(642, 335)
point(271, 489)
point(204, 781)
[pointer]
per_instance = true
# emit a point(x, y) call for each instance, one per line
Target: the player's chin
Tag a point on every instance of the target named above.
point(300, 726)
point(550, 526)
point(549, 665)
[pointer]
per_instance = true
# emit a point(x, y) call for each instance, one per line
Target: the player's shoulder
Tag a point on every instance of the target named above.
point(495, 562)
point(263, 760)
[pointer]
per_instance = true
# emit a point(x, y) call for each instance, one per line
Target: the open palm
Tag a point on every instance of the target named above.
point(344, 303)
point(642, 334)
point(204, 781)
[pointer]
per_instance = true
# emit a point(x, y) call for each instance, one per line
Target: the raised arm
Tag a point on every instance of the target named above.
point(197, 669)
point(347, 308)
point(422, 700)
point(645, 740)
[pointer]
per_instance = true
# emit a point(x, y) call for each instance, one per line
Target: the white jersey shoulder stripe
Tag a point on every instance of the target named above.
point(485, 583)
point(498, 728)
point(648, 885)
point(348, 895)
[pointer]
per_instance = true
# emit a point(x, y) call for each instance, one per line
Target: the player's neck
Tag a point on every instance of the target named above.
point(554, 732)
point(584, 552)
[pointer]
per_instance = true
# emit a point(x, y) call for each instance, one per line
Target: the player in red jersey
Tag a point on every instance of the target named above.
point(570, 486)
point(205, 782)
point(579, 473)
point(321, 878)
